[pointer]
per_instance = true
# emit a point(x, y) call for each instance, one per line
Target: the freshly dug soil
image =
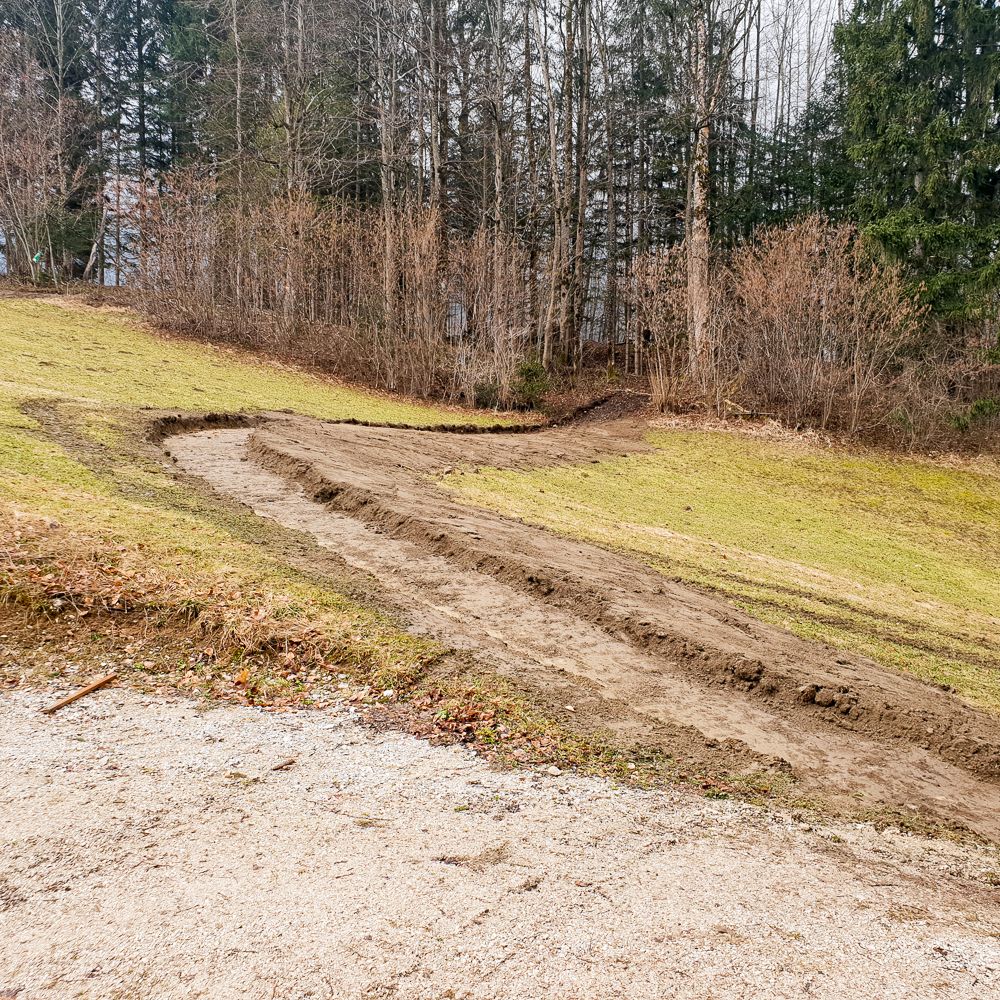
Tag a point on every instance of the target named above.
point(619, 644)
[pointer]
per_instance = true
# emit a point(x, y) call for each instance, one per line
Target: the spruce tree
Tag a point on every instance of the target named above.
point(922, 108)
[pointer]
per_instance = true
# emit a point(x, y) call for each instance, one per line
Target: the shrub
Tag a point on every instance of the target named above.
point(808, 328)
point(980, 413)
point(531, 384)
point(660, 302)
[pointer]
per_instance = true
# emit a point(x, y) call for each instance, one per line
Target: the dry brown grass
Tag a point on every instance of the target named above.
point(252, 643)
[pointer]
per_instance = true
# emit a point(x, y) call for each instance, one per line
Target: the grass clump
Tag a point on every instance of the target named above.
point(891, 557)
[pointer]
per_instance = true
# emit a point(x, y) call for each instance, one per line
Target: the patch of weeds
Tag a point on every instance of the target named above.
point(256, 645)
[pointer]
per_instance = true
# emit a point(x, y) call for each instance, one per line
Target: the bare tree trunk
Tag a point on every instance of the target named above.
point(582, 194)
point(558, 254)
point(387, 67)
point(95, 249)
point(699, 238)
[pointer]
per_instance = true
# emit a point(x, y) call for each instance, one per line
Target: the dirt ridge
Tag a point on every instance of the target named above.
point(168, 425)
point(844, 692)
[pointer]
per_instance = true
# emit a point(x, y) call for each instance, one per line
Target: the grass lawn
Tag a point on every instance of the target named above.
point(107, 358)
point(892, 557)
point(73, 384)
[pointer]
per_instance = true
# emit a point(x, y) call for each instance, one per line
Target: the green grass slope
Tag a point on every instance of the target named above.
point(892, 557)
point(107, 358)
point(73, 384)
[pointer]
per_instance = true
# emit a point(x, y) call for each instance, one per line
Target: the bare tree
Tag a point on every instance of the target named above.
point(34, 184)
point(714, 32)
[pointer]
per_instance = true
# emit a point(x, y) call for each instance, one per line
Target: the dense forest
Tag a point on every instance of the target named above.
point(772, 208)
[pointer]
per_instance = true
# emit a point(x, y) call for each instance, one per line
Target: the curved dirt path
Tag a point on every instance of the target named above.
point(627, 649)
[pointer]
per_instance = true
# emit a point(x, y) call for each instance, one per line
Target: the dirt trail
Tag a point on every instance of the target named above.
point(657, 662)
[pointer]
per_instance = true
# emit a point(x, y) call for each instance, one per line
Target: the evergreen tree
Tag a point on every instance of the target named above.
point(922, 108)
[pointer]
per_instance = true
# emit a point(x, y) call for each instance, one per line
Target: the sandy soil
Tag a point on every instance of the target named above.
point(657, 662)
point(149, 850)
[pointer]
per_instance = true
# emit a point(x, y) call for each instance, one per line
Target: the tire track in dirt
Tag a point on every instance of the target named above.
point(653, 661)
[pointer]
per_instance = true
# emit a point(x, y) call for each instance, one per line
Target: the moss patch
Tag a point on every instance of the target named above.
point(891, 557)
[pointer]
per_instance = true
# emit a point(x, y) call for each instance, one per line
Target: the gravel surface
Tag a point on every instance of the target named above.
point(151, 850)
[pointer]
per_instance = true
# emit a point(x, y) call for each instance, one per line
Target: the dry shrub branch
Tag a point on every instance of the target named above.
point(384, 296)
point(811, 330)
point(806, 327)
point(660, 302)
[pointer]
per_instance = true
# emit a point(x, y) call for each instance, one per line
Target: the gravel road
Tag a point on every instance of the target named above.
point(150, 850)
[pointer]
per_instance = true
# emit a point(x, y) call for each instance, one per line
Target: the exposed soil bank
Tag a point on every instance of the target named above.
point(623, 646)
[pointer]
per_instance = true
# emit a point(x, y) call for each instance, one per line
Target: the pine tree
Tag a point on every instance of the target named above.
point(922, 109)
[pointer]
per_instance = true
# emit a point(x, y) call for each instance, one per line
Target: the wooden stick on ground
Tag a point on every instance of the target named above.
point(70, 698)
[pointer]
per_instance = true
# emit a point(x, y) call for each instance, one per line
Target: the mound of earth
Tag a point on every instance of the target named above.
point(602, 636)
